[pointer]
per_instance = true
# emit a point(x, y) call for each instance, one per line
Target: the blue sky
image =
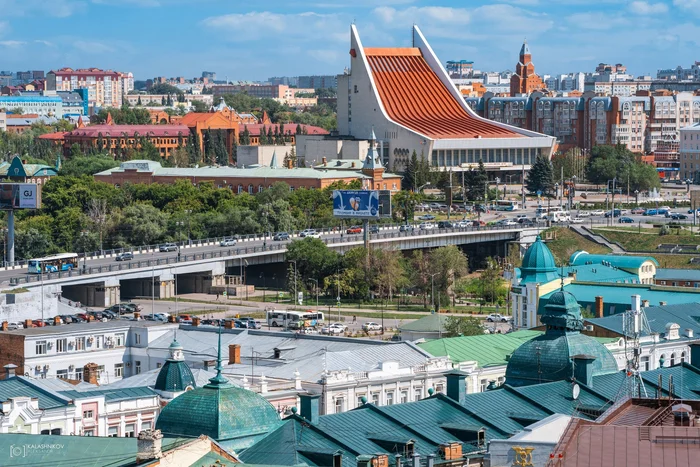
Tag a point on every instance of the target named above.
point(256, 40)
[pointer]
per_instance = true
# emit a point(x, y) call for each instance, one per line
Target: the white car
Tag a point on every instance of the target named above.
point(427, 226)
point(584, 214)
point(507, 222)
point(15, 326)
point(371, 326)
point(228, 242)
point(335, 328)
point(577, 220)
point(311, 233)
point(497, 318)
point(520, 216)
point(463, 224)
point(597, 212)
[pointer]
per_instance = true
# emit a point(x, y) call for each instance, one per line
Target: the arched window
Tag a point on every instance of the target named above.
point(260, 188)
point(662, 360)
point(250, 189)
point(682, 357)
point(240, 189)
point(673, 359)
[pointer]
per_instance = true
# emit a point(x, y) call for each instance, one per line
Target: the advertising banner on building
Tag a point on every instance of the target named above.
point(357, 204)
point(20, 196)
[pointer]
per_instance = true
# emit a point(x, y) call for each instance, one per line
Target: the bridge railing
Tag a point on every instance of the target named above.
point(224, 252)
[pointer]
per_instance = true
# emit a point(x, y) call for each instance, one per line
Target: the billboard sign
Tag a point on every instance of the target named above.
point(20, 196)
point(358, 204)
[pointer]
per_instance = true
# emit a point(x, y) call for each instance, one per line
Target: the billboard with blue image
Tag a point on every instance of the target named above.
point(358, 204)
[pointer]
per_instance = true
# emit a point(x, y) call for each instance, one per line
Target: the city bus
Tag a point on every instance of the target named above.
point(542, 211)
point(285, 318)
point(507, 205)
point(54, 263)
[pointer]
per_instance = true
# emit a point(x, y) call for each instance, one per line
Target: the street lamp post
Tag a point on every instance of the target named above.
point(416, 190)
point(295, 279)
point(432, 286)
point(188, 212)
point(262, 276)
point(636, 197)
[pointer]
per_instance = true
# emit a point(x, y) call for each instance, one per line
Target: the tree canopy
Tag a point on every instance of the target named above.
point(541, 176)
point(617, 162)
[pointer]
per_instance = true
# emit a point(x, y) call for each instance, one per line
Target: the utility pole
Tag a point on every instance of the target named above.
point(561, 198)
point(522, 184)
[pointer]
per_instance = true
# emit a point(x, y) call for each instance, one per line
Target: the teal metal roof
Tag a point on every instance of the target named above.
point(538, 264)
point(112, 395)
point(223, 413)
point(20, 386)
point(601, 273)
point(678, 274)
point(626, 261)
point(73, 451)
point(486, 350)
point(174, 376)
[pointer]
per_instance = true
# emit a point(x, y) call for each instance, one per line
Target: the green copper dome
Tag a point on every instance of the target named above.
point(538, 264)
point(548, 357)
point(231, 415)
point(175, 375)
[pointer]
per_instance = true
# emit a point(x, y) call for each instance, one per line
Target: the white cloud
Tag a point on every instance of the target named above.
point(56, 8)
point(431, 14)
point(12, 43)
point(597, 21)
point(275, 27)
point(92, 47)
point(646, 8)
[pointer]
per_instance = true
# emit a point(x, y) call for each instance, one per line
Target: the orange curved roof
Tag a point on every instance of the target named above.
point(414, 97)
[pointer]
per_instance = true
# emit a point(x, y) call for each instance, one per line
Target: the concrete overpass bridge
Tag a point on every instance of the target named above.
point(103, 281)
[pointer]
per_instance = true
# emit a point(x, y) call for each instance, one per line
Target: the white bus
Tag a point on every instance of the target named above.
point(560, 216)
point(542, 211)
point(284, 318)
point(54, 263)
point(507, 205)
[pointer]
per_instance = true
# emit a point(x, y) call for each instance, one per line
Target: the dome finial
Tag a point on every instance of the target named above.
point(219, 379)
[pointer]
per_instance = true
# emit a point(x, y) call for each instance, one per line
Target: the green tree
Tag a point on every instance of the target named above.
point(313, 258)
point(475, 182)
point(138, 102)
point(417, 172)
point(199, 106)
point(491, 284)
point(404, 205)
point(32, 244)
point(540, 177)
point(143, 224)
point(462, 326)
point(449, 264)
point(88, 165)
point(164, 88)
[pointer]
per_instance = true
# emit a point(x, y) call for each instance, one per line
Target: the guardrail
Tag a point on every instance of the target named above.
point(415, 232)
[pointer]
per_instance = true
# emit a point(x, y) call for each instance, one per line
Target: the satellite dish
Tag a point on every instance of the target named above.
point(575, 390)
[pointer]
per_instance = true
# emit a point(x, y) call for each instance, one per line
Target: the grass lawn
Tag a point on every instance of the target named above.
point(567, 242)
point(649, 239)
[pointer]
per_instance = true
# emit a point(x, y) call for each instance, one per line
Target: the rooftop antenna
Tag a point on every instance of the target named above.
point(634, 325)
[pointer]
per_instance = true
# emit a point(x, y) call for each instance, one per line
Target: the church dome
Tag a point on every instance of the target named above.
point(175, 375)
point(231, 415)
point(548, 357)
point(538, 264)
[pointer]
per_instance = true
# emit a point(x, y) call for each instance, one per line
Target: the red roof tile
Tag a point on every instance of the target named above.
point(414, 97)
point(117, 130)
point(54, 136)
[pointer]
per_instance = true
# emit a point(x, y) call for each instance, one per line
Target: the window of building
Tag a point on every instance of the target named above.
point(644, 364)
point(339, 405)
point(41, 347)
point(146, 425)
point(417, 394)
point(89, 433)
point(112, 431)
point(359, 400)
point(129, 430)
point(118, 370)
point(483, 384)
point(250, 189)
point(375, 398)
point(260, 188)
point(673, 359)
point(62, 374)
point(404, 397)
point(501, 380)
point(439, 387)
point(240, 189)
point(137, 367)
point(662, 360)
point(390, 398)
point(61, 345)
point(79, 374)
point(88, 414)
point(682, 357)
point(80, 343)
point(137, 338)
point(119, 339)
point(159, 364)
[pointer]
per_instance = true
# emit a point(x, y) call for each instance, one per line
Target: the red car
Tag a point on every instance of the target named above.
point(38, 323)
point(355, 229)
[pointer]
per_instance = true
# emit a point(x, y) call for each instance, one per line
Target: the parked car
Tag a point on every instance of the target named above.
point(625, 220)
point(371, 326)
point(426, 226)
point(67, 319)
point(678, 216)
point(335, 328)
point(280, 236)
point(577, 220)
point(597, 212)
point(97, 315)
point(212, 322)
point(478, 223)
point(508, 222)
point(250, 323)
point(615, 213)
point(663, 210)
point(110, 315)
point(355, 229)
point(77, 318)
point(124, 307)
point(497, 318)
point(463, 224)
point(426, 217)
point(406, 228)
point(168, 247)
point(14, 326)
point(445, 225)
point(228, 242)
point(373, 229)
point(125, 256)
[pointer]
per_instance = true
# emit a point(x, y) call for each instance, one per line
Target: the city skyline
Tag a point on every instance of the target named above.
point(301, 38)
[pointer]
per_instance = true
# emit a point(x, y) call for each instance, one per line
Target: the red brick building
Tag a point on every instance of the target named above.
point(116, 138)
point(524, 80)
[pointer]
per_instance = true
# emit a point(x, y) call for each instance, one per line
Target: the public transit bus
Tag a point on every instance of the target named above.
point(285, 318)
point(507, 205)
point(54, 263)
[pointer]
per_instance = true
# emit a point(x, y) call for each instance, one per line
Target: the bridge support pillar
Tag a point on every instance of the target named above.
point(112, 295)
point(218, 280)
point(167, 289)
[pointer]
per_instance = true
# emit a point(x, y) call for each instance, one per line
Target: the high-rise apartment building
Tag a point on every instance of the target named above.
point(318, 82)
point(105, 87)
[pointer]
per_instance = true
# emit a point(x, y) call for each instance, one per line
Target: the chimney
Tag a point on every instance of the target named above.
point(196, 321)
point(645, 303)
point(91, 373)
point(599, 307)
point(583, 369)
point(662, 303)
point(636, 302)
point(416, 460)
point(5, 325)
point(234, 354)
point(689, 332)
point(324, 161)
point(28, 323)
point(137, 315)
point(456, 386)
point(149, 446)
point(309, 407)
point(451, 451)
point(10, 370)
point(228, 324)
point(290, 164)
point(56, 320)
point(431, 460)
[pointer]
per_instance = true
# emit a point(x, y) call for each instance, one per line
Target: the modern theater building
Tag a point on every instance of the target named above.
point(408, 98)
